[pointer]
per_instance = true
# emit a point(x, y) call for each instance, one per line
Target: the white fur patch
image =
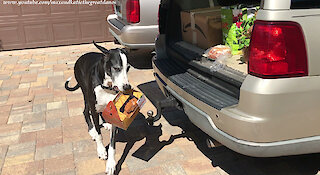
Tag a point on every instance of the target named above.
point(101, 150)
point(111, 152)
point(106, 79)
point(69, 78)
point(121, 78)
point(102, 98)
point(107, 126)
point(111, 163)
point(124, 59)
point(93, 133)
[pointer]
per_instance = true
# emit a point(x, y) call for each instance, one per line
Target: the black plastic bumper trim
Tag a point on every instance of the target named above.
point(195, 87)
point(119, 25)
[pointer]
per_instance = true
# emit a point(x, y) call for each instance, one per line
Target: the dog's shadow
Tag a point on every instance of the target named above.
point(138, 130)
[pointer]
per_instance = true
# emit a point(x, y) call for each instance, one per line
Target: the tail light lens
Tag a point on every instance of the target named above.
point(277, 49)
point(133, 11)
point(113, 6)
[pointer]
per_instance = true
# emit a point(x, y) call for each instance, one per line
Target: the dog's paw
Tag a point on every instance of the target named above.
point(107, 126)
point(110, 166)
point(93, 133)
point(102, 153)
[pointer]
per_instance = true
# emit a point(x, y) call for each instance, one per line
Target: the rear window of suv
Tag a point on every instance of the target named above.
point(305, 4)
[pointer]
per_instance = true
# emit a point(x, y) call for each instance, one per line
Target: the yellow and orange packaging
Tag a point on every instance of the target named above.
point(124, 108)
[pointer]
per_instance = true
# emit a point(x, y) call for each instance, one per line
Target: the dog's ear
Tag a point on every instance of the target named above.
point(102, 49)
point(106, 58)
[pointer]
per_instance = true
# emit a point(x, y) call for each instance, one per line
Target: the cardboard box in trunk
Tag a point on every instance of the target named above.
point(202, 27)
point(124, 108)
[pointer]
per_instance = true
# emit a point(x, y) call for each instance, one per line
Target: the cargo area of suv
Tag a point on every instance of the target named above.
point(265, 107)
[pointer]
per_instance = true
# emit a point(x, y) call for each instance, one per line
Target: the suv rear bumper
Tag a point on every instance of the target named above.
point(132, 36)
point(230, 126)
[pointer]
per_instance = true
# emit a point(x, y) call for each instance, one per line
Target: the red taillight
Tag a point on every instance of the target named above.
point(112, 6)
point(277, 49)
point(133, 11)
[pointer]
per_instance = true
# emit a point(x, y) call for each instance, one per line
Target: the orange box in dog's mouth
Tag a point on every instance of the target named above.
point(124, 108)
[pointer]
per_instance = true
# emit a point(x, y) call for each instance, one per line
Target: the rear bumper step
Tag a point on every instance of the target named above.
point(211, 95)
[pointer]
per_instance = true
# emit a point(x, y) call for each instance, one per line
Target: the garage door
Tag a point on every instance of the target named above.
point(29, 26)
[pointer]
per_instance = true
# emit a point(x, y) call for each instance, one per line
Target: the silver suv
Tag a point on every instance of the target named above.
point(135, 23)
point(271, 108)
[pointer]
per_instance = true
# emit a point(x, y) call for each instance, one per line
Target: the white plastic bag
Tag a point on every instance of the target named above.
point(219, 54)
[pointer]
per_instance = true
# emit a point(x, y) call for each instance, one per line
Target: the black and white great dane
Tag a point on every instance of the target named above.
point(100, 76)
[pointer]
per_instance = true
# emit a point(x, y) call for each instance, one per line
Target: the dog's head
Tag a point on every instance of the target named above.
point(115, 66)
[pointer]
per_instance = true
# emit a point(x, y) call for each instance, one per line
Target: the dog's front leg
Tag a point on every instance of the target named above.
point(111, 163)
point(101, 150)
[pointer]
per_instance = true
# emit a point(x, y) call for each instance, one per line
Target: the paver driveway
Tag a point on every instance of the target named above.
point(42, 129)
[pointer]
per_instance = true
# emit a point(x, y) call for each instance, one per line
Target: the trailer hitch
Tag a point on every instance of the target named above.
point(160, 105)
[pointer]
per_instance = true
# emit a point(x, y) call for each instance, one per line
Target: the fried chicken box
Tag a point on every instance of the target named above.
point(124, 108)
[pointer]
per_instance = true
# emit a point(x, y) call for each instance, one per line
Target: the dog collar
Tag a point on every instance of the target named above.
point(109, 89)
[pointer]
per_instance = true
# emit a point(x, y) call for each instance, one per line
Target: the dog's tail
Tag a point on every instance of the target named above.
point(70, 88)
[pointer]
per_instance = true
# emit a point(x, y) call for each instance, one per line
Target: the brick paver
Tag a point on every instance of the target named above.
point(35, 167)
point(42, 129)
point(59, 165)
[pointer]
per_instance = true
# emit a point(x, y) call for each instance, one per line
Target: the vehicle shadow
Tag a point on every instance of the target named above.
point(229, 161)
point(140, 59)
